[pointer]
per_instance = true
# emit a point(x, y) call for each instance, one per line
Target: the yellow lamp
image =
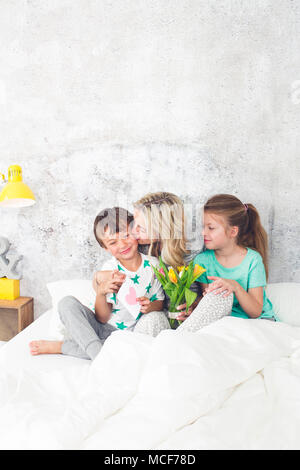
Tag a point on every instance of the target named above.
point(16, 193)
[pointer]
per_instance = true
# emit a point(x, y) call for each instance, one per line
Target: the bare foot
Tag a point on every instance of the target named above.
point(45, 347)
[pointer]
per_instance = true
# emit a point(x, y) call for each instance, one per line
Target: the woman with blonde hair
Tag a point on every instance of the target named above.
point(159, 225)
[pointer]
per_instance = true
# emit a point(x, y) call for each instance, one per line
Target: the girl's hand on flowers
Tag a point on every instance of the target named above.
point(221, 286)
point(145, 304)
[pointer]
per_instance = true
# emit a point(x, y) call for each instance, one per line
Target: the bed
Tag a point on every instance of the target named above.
point(233, 385)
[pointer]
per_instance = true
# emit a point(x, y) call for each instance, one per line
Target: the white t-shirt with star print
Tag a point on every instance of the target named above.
point(144, 283)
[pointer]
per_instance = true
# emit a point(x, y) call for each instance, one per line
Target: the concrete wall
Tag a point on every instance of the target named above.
point(103, 101)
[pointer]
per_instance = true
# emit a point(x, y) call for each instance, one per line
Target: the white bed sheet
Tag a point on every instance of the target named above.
point(15, 355)
point(233, 385)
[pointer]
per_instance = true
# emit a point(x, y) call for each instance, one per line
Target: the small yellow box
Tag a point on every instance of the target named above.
point(9, 288)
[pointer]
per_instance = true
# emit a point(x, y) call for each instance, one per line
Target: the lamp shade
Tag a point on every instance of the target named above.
point(16, 193)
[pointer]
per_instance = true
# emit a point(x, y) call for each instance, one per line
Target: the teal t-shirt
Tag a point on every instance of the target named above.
point(249, 273)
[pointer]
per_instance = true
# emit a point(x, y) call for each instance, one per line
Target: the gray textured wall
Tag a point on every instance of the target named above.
point(102, 101)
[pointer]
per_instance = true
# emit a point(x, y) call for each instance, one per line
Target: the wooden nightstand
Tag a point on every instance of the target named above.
point(15, 315)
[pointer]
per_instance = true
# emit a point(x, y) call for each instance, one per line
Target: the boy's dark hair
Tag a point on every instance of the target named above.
point(113, 220)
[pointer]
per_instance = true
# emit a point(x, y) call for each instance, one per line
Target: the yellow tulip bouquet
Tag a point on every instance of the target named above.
point(176, 283)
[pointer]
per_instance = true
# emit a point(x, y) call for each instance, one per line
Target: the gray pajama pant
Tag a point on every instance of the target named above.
point(85, 335)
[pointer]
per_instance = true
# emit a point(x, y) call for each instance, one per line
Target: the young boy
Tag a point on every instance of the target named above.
point(86, 331)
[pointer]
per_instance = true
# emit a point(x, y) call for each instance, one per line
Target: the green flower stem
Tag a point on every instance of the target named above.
point(179, 298)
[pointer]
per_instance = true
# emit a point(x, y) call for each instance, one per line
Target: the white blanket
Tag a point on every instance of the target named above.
point(233, 385)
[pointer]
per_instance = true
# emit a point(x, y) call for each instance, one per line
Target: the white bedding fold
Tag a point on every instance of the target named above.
point(188, 375)
point(178, 389)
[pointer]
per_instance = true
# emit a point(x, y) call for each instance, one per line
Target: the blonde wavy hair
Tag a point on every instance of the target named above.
point(164, 216)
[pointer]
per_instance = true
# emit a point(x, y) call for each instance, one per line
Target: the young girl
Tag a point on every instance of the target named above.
point(235, 258)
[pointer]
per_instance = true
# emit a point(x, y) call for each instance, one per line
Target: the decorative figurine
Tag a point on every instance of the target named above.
point(8, 264)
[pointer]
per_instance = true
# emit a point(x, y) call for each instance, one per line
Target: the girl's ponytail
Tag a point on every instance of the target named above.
point(254, 235)
point(246, 218)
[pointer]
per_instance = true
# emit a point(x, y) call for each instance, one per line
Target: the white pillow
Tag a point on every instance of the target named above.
point(82, 289)
point(285, 297)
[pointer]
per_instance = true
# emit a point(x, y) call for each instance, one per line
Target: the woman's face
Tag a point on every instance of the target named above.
point(139, 230)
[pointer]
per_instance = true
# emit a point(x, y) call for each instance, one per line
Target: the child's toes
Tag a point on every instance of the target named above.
point(33, 347)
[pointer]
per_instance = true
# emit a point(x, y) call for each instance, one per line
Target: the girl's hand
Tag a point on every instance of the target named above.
point(145, 304)
point(221, 286)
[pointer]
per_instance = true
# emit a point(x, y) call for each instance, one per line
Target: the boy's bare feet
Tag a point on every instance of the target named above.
point(45, 347)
